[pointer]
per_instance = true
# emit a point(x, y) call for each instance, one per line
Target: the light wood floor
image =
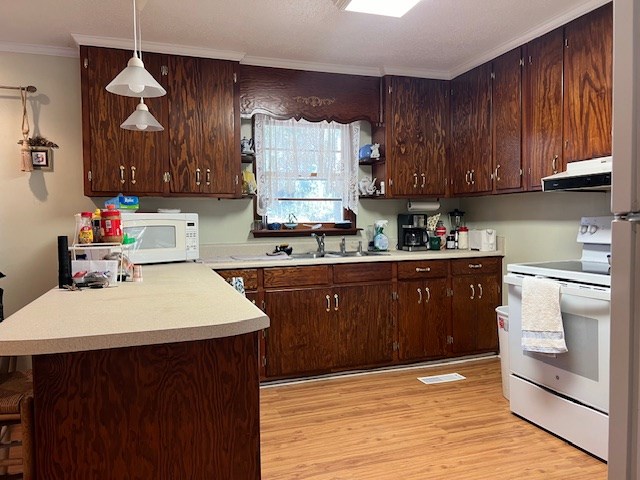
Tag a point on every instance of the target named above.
point(391, 426)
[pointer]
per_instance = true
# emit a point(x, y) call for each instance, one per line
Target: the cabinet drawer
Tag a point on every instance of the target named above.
point(250, 276)
point(468, 266)
point(423, 269)
point(297, 276)
point(362, 272)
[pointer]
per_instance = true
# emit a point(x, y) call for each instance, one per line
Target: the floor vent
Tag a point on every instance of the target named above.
point(448, 377)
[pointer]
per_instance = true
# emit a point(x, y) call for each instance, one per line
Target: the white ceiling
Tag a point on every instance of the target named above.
point(438, 38)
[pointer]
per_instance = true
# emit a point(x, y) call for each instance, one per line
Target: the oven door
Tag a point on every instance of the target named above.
point(582, 373)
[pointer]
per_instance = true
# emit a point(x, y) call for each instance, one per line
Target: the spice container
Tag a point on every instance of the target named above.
point(451, 242)
point(85, 233)
point(111, 225)
point(95, 223)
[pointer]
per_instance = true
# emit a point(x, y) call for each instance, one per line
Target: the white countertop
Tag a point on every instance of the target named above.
point(174, 303)
point(223, 262)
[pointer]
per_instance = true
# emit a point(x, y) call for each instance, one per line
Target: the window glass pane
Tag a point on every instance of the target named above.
point(313, 211)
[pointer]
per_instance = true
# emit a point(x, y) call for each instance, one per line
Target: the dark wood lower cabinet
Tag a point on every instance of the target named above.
point(179, 410)
point(423, 311)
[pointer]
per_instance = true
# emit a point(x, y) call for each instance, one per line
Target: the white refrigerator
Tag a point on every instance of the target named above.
point(624, 406)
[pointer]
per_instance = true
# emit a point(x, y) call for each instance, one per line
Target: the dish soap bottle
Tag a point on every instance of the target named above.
point(380, 240)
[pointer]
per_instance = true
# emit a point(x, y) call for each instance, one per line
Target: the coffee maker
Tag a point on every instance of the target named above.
point(412, 232)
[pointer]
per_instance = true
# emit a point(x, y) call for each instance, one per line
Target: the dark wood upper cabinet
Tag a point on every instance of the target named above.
point(204, 125)
point(588, 77)
point(542, 108)
point(118, 160)
point(470, 164)
point(314, 96)
point(506, 111)
point(416, 120)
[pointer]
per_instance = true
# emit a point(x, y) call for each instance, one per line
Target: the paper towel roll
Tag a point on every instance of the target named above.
point(413, 206)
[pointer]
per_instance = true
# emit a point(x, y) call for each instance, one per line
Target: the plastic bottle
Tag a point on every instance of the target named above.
point(380, 240)
point(85, 234)
point(463, 238)
point(111, 225)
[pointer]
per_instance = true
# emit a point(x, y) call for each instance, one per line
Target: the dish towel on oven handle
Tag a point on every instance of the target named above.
point(542, 329)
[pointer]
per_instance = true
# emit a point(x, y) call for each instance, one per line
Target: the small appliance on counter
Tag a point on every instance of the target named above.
point(483, 240)
point(412, 232)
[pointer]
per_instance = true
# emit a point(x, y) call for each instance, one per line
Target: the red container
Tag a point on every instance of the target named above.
point(111, 225)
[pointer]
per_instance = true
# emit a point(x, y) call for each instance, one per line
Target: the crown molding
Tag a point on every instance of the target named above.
point(311, 66)
point(416, 72)
point(38, 49)
point(156, 47)
point(532, 34)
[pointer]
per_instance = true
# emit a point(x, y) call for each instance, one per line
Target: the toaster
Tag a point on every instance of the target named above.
point(483, 240)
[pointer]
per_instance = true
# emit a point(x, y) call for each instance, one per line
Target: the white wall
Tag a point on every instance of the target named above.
point(37, 207)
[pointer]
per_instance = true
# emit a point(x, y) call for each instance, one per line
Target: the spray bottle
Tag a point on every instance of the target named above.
point(380, 240)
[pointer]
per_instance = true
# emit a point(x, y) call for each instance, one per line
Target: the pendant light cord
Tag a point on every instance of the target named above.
point(135, 31)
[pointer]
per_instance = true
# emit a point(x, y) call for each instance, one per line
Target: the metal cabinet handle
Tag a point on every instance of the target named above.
point(208, 176)
point(419, 295)
point(197, 176)
point(415, 180)
point(496, 173)
point(328, 303)
point(466, 177)
point(554, 164)
point(425, 269)
point(335, 298)
point(473, 177)
point(475, 265)
point(133, 175)
point(473, 292)
point(424, 180)
point(480, 295)
point(122, 174)
point(428, 292)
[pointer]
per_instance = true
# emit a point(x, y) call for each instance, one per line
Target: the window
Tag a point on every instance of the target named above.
point(308, 169)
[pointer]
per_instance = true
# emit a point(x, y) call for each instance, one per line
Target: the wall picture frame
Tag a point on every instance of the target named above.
point(41, 159)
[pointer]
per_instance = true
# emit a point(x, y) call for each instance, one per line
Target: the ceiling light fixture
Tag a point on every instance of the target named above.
point(395, 8)
point(134, 80)
point(141, 120)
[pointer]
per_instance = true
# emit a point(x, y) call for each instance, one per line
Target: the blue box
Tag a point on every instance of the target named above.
point(124, 202)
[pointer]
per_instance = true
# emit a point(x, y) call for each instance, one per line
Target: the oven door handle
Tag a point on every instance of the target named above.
point(567, 288)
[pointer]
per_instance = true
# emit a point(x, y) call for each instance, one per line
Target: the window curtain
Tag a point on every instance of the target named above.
point(287, 150)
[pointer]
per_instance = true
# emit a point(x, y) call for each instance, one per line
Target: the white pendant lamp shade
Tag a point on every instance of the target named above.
point(135, 81)
point(141, 120)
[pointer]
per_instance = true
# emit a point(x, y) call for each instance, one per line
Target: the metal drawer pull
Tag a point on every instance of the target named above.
point(335, 297)
point(466, 177)
point(497, 177)
point(415, 180)
point(480, 287)
point(554, 164)
point(122, 174)
point(473, 292)
point(197, 176)
point(208, 176)
point(428, 294)
point(133, 175)
point(424, 180)
point(328, 303)
point(475, 265)
point(419, 295)
point(420, 269)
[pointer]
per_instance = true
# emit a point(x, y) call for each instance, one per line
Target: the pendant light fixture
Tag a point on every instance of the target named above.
point(135, 80)
point(142, 120)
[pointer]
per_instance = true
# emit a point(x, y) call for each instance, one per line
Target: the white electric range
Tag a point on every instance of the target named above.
point(568, 394)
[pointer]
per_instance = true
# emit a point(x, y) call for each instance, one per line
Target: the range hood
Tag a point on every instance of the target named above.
point(594, 174)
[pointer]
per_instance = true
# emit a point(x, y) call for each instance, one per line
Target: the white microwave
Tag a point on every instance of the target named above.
point(162, 237)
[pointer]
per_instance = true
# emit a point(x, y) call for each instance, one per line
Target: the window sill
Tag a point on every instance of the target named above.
point(305, 232)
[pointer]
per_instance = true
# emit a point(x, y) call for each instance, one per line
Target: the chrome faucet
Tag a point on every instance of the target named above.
point(320, 240)
point(343, 245)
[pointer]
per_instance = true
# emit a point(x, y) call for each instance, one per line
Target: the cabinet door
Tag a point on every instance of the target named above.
point(487, 299)
point(366, 324)
point(464, 325)
point(204, 157)
point(588, 85)
point(303, 334)
point(423, 309)
point(119, 160)
point(506, 108)
point(404, 138)
point(542, 108)
point(471, 165)
point(432, 161)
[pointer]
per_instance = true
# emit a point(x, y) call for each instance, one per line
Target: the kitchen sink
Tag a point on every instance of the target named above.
point(305, 255)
